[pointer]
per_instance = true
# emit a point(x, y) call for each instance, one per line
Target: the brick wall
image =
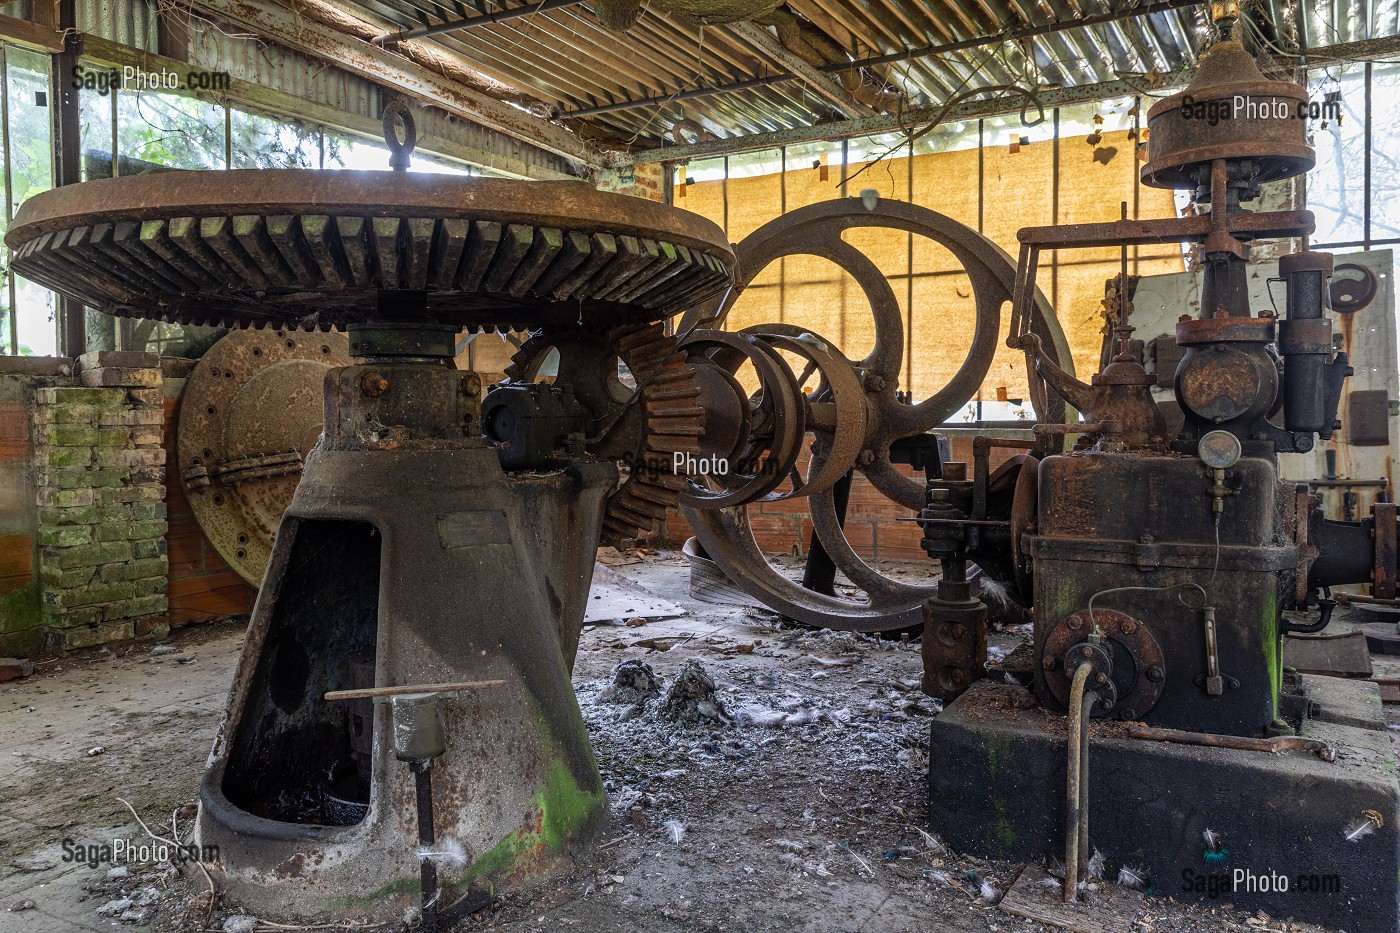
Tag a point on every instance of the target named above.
point(640, 180)
point(94, 545)
point(21, 628)
point(100, 474)
point(874, 524)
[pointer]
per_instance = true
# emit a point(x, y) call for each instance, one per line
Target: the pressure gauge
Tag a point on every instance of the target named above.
point(1219, 450)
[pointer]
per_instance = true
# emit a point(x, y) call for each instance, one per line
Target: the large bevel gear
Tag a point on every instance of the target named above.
point(643, 425)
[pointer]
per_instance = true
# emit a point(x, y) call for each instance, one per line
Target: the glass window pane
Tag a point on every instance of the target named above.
point(156, 128)
point(1385, 154)
point(95, 107)
point(353, 152)
point(30, 172)
point(437, 165)
point(268, 142)
point(31, 168)
point(1336, 187)
point(34, 307)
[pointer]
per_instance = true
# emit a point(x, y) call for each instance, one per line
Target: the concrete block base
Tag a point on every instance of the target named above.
point(997, 787)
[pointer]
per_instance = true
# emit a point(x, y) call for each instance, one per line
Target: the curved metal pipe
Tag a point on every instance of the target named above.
point(1076, 784)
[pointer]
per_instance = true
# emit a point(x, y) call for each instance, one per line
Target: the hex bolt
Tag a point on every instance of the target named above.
point(958, 631)
point(1156, 674)
point(1086, 652)
point(866, 457)
point(1075, 623)
point(874, 382)
point(1048, 663)
point(1100, 678)
point(373, 384)
point(1128, 627)
point(471, 384)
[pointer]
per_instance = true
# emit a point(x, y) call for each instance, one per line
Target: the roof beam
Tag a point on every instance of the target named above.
point(904, 55)
point(891, 123)
point(402, 69)
point(485, 19)
point(825, 86)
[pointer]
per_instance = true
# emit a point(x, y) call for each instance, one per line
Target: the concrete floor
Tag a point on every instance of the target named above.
point(804, 813)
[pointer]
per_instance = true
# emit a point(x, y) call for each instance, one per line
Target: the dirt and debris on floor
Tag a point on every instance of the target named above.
point(761, 776)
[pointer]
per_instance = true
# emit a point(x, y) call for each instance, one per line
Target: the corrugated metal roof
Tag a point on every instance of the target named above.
point(134, 23)
point(564, 57)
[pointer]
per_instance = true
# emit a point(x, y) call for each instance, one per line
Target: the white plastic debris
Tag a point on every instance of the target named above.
point(240, 923)
point(95, 751)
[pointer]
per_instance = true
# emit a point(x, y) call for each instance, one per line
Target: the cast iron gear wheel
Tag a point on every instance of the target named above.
point(642, 427)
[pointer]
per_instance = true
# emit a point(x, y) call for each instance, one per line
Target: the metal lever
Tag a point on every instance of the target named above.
point(1215, 685)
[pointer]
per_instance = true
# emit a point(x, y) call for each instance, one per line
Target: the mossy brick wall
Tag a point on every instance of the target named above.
point(100, 479)
point(22, 631)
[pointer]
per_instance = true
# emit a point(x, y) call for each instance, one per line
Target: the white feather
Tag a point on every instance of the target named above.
point(448, 854)
point(1212, 839)
point(989, 892)
point(675, 831)
point(1132, 878)
point(1362, 826)
point(1096, 865)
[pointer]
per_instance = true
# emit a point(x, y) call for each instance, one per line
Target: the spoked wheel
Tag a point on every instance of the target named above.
point(854, 414)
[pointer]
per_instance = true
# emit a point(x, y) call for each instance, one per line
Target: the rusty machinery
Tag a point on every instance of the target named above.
point(441, 538)
point(1164, 571)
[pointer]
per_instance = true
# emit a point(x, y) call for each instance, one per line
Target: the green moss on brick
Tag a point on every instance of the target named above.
point(130, 531)
point(65, 535)
point(21, 609)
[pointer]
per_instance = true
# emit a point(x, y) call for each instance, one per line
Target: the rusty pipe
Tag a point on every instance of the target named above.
point(1274, 746)
point(1076, 798)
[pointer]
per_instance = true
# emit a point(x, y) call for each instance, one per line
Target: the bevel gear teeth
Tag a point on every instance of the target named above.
point(674, 422)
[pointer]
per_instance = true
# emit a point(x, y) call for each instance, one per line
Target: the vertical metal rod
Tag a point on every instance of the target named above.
point(1055, 212)
point(1137, 177)
point(228, 136)
point(1073, 794)
point(845, 155)
point(782, 209)
point(819, 575)
point(981, 176)
point(116, 136)
point(724, 191)
point(9, 191)
point(1366, 173)
point(67, 156)
point(423, 785)
point(1090, 698)
point(909, 284)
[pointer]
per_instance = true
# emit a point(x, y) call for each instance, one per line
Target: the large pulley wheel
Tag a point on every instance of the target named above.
point(249, 416)
point(722, 527)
